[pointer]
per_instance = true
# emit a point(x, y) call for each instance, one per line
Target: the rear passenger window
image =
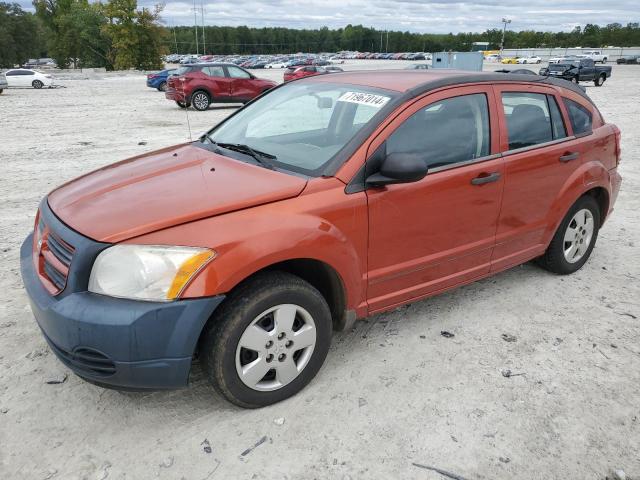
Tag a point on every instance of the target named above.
point(528, 119)
point(447, 132)
point(557, 124)
point(214, 71)
point(579, 117)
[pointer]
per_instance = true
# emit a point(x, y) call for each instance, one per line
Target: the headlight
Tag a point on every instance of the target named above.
point(146, 272)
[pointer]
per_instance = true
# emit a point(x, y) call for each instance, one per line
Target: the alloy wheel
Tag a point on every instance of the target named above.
point(578, 235)
point(200, 101)
point(276, 347)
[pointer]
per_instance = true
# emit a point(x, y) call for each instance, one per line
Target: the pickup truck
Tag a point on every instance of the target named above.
point(596, 56)
point(578, 70)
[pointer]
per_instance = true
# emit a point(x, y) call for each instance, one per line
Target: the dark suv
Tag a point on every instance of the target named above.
point(203, 84)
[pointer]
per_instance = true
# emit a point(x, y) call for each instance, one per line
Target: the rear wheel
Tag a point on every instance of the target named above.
point(575, 238)
point(200, 100)
point(599, 81)
point(267, 341)
point(37, 84)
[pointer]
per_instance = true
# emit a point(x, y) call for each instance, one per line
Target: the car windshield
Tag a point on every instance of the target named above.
point(302, 126)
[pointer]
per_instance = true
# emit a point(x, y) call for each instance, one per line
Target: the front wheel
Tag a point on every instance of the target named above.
point(267, 341)
point(183, 104)
point(162, 87)
point(575, 238)
point(37, 84)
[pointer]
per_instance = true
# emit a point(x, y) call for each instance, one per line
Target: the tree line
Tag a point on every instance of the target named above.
point(118, 35)
point(75, 33)
point(244, 40)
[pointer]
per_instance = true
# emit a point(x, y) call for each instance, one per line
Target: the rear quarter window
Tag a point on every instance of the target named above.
point(580, 117)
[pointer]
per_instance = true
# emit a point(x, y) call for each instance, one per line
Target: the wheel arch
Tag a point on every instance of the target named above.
point(321, 276)
point(575, 189)
point(601, 195)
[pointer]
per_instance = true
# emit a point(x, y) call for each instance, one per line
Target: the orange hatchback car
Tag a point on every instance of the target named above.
point(328, 199)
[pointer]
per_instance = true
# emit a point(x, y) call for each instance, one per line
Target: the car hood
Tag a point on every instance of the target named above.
point(165, 188)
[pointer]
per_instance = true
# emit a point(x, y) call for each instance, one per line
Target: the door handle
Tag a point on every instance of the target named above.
point(486, 178)
point(567, 157)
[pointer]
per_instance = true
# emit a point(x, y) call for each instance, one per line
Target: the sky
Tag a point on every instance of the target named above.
point(442, 16)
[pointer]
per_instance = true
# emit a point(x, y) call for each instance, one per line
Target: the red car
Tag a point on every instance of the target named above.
point(203, 84)
point(332, 198)
point(293, 73)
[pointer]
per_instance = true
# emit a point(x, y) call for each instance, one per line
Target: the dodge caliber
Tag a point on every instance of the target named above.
point(326, 200)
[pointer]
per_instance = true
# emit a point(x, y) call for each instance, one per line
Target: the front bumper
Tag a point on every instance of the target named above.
point(116, 342)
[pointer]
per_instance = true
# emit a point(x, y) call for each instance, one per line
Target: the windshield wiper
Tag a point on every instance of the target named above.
point(260, 157)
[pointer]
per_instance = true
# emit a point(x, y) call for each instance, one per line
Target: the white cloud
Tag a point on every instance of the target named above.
point(440, 16)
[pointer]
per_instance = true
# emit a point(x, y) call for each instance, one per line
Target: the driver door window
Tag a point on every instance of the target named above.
point(446, 133)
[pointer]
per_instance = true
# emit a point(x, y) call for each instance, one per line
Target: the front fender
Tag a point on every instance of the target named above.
point(262, 245)
point(325, 225)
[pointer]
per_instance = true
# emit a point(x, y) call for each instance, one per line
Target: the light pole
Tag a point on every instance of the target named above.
point(504, 30)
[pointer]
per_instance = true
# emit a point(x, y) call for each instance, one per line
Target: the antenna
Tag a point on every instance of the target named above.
point(195, 25)
point(204, 41)
point(186, 108)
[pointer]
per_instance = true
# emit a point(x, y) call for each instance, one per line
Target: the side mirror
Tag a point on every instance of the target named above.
point(399, 168)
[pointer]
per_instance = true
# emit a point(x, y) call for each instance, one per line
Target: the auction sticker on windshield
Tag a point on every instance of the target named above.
point(370, 99)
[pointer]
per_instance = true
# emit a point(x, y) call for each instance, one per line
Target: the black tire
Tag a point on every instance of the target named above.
point(37, 84)
point(599, 81)
point(554, 258)
point(162, 87)
point(183, 104)
point(224, 330)
point(574, 80)
point(1, 90)
point(200, 100)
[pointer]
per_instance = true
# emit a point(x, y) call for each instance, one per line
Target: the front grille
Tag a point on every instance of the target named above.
point(54, 258)
point(60, 249)
point(85, 360)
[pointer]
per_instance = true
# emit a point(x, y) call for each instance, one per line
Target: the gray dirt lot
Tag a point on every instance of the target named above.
point(392, 392)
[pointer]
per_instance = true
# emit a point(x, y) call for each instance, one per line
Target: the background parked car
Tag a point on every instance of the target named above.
point(417, 66)
point(276, 65)
point(203, 84)
point(562, 59)
point(509, 60)
point(580, 70)
point(159, 80)
point(40, 62)
point(333, 69)
point(595, 55)
point(22, 77)
point(629, 59)
point(305, 71)
point(532, 59)
point(3, 82)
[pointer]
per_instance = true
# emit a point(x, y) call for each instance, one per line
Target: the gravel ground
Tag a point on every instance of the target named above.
point(393, 392)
